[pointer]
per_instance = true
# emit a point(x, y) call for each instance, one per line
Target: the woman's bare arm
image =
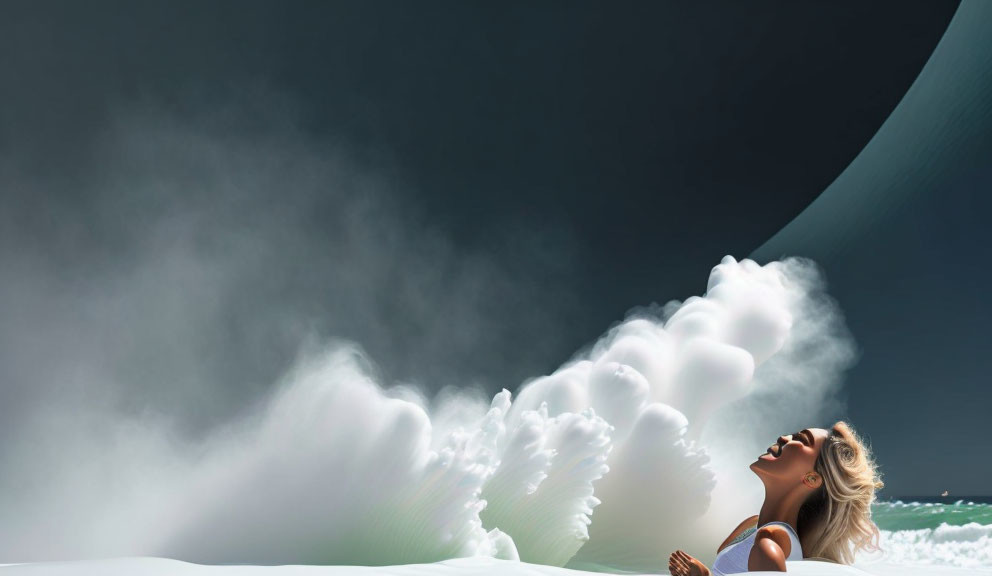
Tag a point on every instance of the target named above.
point(771, 547)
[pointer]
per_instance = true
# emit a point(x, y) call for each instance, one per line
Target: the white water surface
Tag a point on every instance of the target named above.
point(478, 566)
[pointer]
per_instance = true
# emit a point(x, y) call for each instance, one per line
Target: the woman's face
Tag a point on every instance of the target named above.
point(792, 455)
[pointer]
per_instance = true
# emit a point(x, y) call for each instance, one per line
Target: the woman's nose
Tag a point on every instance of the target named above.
point(785, 439)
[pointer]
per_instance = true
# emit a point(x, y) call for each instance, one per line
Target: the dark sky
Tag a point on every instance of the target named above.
point(903, 234)
point(472, 192)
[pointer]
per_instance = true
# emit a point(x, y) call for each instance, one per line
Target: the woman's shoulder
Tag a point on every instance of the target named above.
point(751, 522)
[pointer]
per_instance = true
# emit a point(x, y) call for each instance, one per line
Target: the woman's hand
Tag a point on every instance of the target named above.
point(681, 564)
point(771, 547)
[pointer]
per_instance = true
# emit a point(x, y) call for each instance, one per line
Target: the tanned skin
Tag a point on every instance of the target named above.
point(786, 470)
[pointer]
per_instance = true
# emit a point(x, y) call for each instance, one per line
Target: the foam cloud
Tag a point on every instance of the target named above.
point(616, 458)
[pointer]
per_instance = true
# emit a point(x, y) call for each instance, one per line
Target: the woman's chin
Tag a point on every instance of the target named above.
point(759, 466)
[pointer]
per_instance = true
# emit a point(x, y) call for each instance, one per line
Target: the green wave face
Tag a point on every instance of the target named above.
point(914, 515)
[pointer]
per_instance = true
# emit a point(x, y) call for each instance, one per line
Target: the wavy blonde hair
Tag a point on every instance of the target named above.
point(835, 521)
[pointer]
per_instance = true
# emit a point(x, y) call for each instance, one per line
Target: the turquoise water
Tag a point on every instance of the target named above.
point(919, 512)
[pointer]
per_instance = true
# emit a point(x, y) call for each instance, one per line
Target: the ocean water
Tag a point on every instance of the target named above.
point(922, 512)
point(936, 531)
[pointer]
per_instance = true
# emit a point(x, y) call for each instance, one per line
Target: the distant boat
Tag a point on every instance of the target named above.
point(944, 493)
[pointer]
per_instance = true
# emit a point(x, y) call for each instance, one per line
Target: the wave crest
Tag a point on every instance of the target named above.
point(635, 447)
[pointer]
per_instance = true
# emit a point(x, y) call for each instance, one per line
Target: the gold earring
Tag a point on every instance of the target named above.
point(811, 478)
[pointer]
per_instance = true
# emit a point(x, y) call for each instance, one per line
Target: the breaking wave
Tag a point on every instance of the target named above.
point(966, 546)
point(636, 446)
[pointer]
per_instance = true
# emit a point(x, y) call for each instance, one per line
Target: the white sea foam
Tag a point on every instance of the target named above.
point(462, 566)
point(966, 546)
point(632, 449)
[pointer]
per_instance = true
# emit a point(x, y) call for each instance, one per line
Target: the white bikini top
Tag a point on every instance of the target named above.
point(733, 558)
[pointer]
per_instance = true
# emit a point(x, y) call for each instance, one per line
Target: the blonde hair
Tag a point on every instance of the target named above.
point(835, 522)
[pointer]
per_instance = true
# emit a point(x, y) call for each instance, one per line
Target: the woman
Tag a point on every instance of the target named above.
point(819, 487)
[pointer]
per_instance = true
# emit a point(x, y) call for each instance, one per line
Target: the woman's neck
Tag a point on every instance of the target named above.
point(780, 507)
